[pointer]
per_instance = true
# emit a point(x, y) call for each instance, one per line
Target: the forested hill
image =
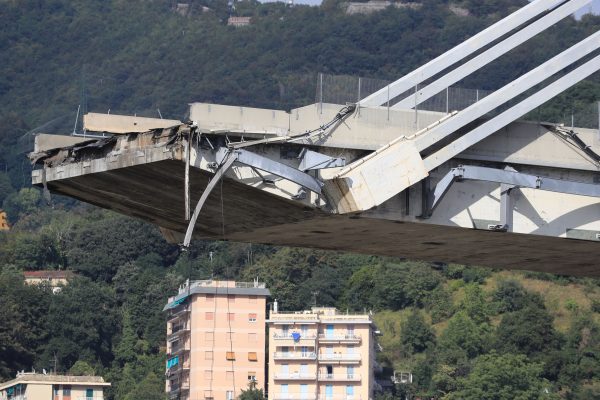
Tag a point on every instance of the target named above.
point(465, 333)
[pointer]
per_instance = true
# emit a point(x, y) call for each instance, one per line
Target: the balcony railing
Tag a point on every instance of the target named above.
point(283, 336)
point(292, 396)
point(179, 368)
point(100, 397)
point(178, 330)
point(178, 349)
point(348, 337)
point(340, 377)
point(294, 356)
point(296, 376)
point(339, 357)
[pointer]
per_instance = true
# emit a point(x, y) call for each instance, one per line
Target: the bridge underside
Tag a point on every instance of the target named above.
point(154, 192)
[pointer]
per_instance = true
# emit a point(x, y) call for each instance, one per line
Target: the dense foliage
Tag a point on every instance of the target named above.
point(465, 333)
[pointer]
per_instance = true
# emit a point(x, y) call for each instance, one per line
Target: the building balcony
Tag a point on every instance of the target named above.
point(178, 369)
point(99, 397)
point(176, 390)
point(292, 396)
point(339, 357)
point(295, 377)
point(294, 356)
point(280, 336)
point(178, 331)
point(179, 312)
point(340, 377)
point(178, 350)
point(341, 338)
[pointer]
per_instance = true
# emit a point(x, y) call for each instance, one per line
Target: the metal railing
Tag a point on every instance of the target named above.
point(294, 355)
point(339, 337)
point(292, 396)
point(284, 317)
point(178, 349)
point(177, 330)
point(282, 336)
point(339, 357)
point(339, 377)
point(296, 376)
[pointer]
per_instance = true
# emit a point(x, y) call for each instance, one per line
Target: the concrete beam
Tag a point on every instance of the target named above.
point(120, 124)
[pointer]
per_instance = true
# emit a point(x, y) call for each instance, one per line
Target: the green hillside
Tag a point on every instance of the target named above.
point(465, 333)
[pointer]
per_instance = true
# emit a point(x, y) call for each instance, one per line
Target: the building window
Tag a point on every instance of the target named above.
point(231, 316)
point(208, 355)
point(209, 336)
point(350, 330)
point(285, 330)
point(208, 375)
point(304, 330)
point(89, 393)
point(251, 376)
point(209, 316)
point(252, 299)
point(230, 355)
point(229, 375)
point(229, 395)
point(210, 298)
point(252, 356)
point(66, 391)
point(252, 317)
point(252, 338)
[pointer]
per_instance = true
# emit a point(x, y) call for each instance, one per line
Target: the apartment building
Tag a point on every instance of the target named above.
point(32, 386)
point(321, 354)
point(216, 339)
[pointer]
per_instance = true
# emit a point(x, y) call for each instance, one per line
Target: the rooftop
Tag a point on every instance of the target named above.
point(319, 314)
point(32, 377)
point(48, 274)
point(217, 287)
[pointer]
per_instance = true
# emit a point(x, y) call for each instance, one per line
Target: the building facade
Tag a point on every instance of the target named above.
point(3, 221)
point(32, 386)
point(321, 354)
point(55, 279)
point(216, 339)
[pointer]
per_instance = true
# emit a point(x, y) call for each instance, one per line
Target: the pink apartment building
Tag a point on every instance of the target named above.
point(321, 354)
point(216, 339)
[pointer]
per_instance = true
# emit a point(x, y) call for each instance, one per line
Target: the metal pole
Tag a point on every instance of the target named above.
point(187, 177)
point(358, 99)
point(447, 100)
point(416, 108)
point(321, 89)
point(388, 103)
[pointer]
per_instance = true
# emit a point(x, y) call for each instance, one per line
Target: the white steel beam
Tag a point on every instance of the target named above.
point(510, 91)
point(491, 54)
point(512, 114)
point(459, 52)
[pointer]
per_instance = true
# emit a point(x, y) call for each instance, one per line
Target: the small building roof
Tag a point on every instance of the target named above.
point(50, 379)
point(48, 274)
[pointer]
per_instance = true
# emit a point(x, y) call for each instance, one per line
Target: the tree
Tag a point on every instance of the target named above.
point(416, 335)
point(475, 304)
point(251, 394)
point(82, 368)
point(503, 377)
point(462, 340)
point(150, 388)
point(510, 295)
point(529, 331)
